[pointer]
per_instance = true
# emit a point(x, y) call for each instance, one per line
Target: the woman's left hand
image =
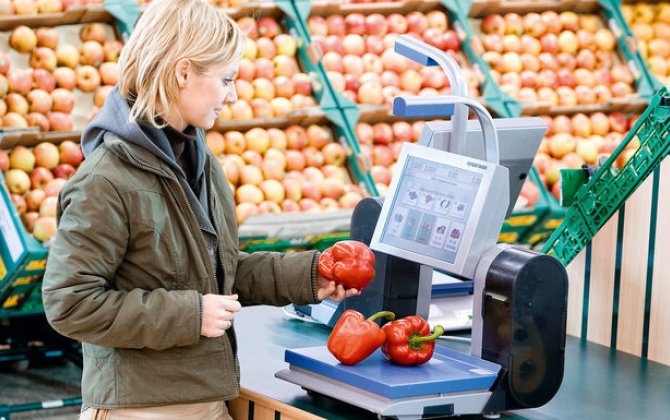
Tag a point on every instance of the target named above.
point(327, 289)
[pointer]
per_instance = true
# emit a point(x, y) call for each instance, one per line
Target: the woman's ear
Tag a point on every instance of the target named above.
point(182, 71)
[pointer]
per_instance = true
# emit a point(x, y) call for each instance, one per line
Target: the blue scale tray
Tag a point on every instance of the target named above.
point(447, 372)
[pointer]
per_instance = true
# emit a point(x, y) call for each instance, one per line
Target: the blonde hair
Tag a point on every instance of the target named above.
point(168, 31)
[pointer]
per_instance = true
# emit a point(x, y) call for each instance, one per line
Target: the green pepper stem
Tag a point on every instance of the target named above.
point(415, 341)
point(386, 314)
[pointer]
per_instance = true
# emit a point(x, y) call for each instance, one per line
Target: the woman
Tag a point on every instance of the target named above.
point(145, 269)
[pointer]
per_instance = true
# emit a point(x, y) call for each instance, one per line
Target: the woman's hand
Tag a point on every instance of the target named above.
point(218, 312)
point(327, 289)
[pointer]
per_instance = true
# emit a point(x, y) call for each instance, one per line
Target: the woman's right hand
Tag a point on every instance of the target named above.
point(218, 312)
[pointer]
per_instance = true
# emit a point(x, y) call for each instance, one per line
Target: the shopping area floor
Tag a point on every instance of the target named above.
point(19, 385)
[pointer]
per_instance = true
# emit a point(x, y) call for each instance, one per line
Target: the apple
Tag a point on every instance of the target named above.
point(45, 228)
point(273, 190)
point(48, 207)
point(17, 104)
point(22, 38)
point(91, 53)
point(20, 81)
point(40, 177)
point(370, 93)
point(14, 120)
point(6, 8)
point(268, 27)
point(33, 199)
point(60, 121)
point(244, 210)
point(335, 25)
point(67, 55)
point(101, 95)
point(493, 24)
point(397, 23)
point(88, 78)
point(63, 100)
point(64, 171)
point(94, 31)
point(39, 101)
point(4, 161)
point(112, 50)
point(65, 78)
point(44, 80)
point(17, 180)
point(46, 155)
point(350, 199)
point(70, 152)
point(248, 193)
point(49, 6)
point(21, 158)
point(47, 37)
point(109, 73)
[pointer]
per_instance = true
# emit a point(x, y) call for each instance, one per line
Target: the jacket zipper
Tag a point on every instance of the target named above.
point(210, 197)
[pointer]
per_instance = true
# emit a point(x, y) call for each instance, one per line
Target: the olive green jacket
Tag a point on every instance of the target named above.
point(126, 272)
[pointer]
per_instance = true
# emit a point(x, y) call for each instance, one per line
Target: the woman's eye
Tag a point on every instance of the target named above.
point(226, 82)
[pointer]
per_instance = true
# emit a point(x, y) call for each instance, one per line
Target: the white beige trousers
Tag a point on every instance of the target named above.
point(202, 411)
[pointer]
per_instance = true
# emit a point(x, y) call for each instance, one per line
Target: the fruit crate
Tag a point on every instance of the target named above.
point(646, 36)
point(609, 188)
point(55, 78)
point(524, 219)
point(274, 87)
point(22, 257)
point(504, 57)
point(336, 34)
point(124, 11)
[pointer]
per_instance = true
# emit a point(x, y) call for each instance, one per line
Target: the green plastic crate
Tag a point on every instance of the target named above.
point(597, 200)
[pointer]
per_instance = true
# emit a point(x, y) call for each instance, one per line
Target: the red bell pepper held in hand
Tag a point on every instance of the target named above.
point(408, 340)
point(350, 263)
point(354, 338)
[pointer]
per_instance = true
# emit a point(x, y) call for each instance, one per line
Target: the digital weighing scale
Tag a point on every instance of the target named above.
point(444, 210)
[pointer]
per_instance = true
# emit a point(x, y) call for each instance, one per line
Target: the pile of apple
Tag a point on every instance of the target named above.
point(269, 83)
point(42, 95)
point(34, 177)
point(581, 139)
point(33, 7)
point(357, 54)
point(381, 142)
point(650, 24)
point(561, 59)
point(284, 170)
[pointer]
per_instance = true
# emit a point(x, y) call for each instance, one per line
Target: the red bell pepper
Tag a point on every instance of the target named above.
point(350, 263)
point(408, 340)
point(354, 338)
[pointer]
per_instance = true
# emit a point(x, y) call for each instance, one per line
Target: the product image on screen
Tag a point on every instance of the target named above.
point(431, 208)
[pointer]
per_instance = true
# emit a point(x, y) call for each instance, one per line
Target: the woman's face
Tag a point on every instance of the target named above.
point(203, 95)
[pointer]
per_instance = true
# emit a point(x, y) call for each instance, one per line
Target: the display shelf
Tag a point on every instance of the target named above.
point(609, 187)
point(527, 102)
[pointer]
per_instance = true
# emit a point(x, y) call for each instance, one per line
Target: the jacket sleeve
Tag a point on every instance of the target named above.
point(80, 300)
point(274, 278)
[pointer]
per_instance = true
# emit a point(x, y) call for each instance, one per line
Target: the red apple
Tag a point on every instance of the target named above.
point(109, 73)
point(36, 119)
point(34, 198)
point(14, 120)
point(91, 53)
point(20, 81)
point(60, 121)
point(63, 100)
point(112, 50)
point(70, 152)
point(40, 177)
point(45, 228)
point(355, 23)
point(397, 23)
point(47, 37)
point(64, 171)
point(93, 32)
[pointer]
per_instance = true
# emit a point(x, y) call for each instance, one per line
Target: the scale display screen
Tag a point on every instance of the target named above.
point(441, 209)
point(431, 208)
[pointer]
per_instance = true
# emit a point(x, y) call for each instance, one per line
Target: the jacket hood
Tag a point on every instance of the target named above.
point(113, 117)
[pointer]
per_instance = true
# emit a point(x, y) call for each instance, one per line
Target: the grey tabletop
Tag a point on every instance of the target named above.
point(599, 383)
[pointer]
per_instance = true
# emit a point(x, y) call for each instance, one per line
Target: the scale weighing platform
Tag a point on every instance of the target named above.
point(444, 210)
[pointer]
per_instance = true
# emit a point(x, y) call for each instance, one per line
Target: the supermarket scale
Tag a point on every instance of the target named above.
point(444, 211)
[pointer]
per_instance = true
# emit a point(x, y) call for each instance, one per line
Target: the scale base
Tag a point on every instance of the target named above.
point(425, 406)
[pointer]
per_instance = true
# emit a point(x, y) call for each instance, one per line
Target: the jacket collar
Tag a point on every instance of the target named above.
point(137, 156)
